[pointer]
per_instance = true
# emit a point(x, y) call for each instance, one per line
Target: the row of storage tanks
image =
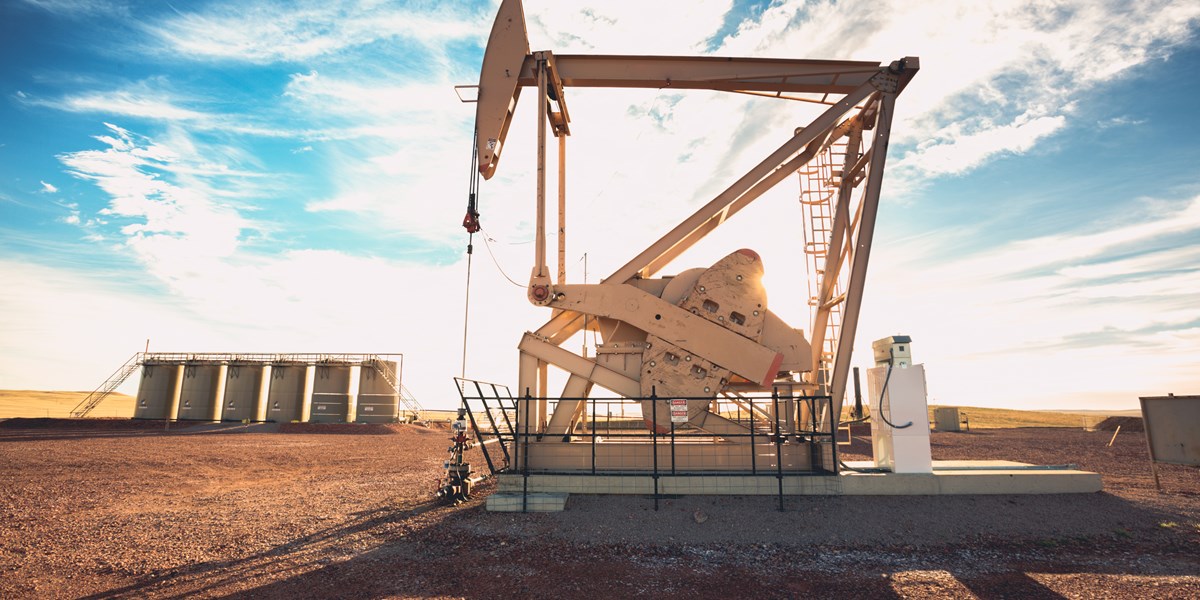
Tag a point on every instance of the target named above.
point(326, 392)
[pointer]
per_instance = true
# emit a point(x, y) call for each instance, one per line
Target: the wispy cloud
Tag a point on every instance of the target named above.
point(952, 151)
point(998, 77)
point(294, 32)
point(166, 190)
point(154, 99)
point(79, 8)
point(1069, 306)
point(48, 188)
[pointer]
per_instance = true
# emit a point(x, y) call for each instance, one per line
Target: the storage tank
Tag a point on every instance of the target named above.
point(378, 401)
point(243, 391)
point(287, 395)
point(157, 390)
point(198, 397)
point(331, 393)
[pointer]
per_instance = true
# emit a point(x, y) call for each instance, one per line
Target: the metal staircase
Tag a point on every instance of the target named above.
point(493, 414)
point(384, 368)
point(113, 382)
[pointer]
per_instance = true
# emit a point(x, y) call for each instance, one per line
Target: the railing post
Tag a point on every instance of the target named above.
point(753, 451)
point(654, 439)
point(524, 446)
point(778, 446)
point(593, 432)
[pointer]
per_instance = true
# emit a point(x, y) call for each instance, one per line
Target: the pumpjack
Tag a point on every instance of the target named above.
point(706, 334)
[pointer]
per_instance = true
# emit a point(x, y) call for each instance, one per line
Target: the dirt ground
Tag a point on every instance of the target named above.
point(125, 510)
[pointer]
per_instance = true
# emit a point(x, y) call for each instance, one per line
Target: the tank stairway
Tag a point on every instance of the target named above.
point(492, 411)
point(384, 369)
point(113, 382)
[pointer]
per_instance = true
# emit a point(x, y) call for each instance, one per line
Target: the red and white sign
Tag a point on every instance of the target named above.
point(679, 410)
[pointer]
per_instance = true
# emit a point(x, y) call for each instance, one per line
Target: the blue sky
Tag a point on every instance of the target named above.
point(290, 177)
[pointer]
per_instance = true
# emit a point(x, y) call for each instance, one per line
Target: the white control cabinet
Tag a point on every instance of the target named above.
point(899, 448)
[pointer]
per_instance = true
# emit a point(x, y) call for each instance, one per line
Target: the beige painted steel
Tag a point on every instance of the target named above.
point(156, 391)
point(201, 383)
point(1172, 428)
point(674, 324)
point(508, 45)
point(378, 401)
point(331, 393)
point(288, 392)
point(243, 391)
point(628, 308)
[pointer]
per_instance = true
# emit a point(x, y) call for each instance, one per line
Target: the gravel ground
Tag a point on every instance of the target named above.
point(130, 510)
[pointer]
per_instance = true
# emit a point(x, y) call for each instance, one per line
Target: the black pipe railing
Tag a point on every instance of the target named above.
point(778, 420)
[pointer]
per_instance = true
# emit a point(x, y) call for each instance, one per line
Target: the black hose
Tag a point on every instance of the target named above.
point(883, 392)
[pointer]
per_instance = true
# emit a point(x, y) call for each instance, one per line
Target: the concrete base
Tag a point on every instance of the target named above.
point(949, 477)
point(533, 502)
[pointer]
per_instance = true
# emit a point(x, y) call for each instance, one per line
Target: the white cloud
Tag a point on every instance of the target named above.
point(952, 152)
point(48, 188)
point(79, 8)
point(292, 32)
point(154, 100)
point(174, 223)
point(129, 103)
point(623, 26)
point(1000, 75)
point(1071, 319)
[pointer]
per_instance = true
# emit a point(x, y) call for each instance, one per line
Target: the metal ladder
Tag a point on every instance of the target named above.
point(819, 182)
point(492, 411)
point(113, 382)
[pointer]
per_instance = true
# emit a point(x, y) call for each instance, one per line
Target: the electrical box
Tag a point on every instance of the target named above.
point(946, 418)
point(899, 419)
point(895, 350)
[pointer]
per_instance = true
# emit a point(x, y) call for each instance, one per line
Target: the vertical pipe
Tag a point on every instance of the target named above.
point(542, 413)
point(778, 447)
point(562, 208)
point(540, 250)
point(858, 407)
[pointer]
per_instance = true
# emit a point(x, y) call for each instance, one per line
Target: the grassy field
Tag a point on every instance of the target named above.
point(1002, 418)
point(32, 403)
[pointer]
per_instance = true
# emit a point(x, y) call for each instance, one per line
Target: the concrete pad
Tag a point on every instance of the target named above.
point(949, 477)
point(532, 502)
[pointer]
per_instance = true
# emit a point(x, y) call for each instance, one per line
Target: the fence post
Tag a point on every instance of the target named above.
point(654, 439)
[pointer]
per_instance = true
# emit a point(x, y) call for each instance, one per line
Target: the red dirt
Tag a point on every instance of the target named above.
point(148, 513)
